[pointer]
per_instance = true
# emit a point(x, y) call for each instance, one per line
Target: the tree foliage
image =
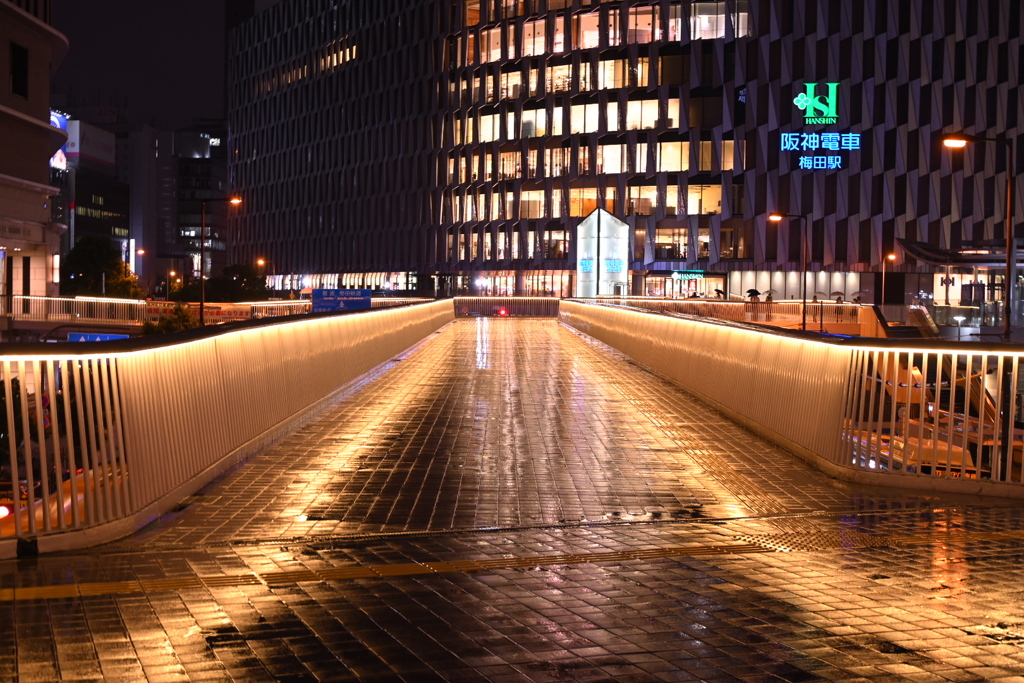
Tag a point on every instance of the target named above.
point(95, 265)
point(240, 282)
point(180, 319)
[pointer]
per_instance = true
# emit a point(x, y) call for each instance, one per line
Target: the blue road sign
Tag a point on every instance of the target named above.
point(91, 337)
point(340, 300)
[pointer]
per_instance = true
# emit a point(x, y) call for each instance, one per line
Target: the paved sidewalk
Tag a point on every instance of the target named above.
point(511, 502)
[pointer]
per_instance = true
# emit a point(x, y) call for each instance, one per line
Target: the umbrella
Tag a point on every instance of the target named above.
point(862, 291)
point(718, 291)
point(771, 291)
point(838, 294)
point(821, 294)
point(753, 292)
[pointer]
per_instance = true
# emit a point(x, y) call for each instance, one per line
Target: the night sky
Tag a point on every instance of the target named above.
point(164, 57)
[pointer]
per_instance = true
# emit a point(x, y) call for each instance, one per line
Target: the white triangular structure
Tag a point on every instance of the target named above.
point(602, 256)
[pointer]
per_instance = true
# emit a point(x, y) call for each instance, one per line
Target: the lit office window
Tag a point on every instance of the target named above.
point(675, 23)
point(556, 203)
point(488, 166)
point(611, 159)
point(583, 118)
point(556, 244)
point(557, 116)
point(614, 28)
point(671, 200)
point(531, 163)
point(672, 117)
point(642, 26)
point(642, 200)
point(556, 161)
point(531, 204)
point(641, 157)
point(560, 44)
point(490, 45)
point(510, 166)
point(612, 73)
point(533, 37)
point(535, 123)
point(671, 243)
point(587, 30)
point(641, 114)
point(588, 77)
point(511, 85)
point(612, 116)
point(534, 82)
point(733, 155)
point(706, 162)
point(502, 242)
point(583, 201)
point(472, 13)
point(673, 157)
point(708, 21)
point(703, 199)
point(559, 78)
point(490, 125)
point(641, 75)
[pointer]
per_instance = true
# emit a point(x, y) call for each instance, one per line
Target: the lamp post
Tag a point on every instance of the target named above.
point(888, 257)
point(202, 252)
point(959, 141)
point(776, 218)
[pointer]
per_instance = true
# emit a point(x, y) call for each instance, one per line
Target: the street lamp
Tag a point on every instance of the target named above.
point(959, 141)
point(889, 257)
point(776, 218)
point(202, 252)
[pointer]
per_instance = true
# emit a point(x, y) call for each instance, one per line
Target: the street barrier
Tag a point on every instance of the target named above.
point(506, 306)
point(97, 440)
point(911, 413)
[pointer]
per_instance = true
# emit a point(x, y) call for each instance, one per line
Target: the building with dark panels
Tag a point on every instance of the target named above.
point(30, 49)
point(456, 146)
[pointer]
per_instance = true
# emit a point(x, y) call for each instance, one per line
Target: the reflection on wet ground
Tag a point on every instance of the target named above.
point(510, 501)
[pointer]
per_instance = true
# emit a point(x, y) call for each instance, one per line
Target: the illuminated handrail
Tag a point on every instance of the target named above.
point(917, 413)
point(78, 309)
point(101, 438)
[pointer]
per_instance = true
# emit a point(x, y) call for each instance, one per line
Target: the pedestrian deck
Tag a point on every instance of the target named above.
point(510, 501)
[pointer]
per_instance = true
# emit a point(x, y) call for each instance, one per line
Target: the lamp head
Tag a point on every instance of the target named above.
point(775, 217)
point(955, 142)
point(235, 200)
point(891, 257)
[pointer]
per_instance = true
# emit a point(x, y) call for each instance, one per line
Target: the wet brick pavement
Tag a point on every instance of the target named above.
point(512, 502)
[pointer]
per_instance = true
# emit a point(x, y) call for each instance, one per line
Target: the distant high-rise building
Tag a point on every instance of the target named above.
point(457, 145)
point(30, 49)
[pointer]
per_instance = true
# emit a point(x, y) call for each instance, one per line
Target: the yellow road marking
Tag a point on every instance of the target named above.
point(824, 540)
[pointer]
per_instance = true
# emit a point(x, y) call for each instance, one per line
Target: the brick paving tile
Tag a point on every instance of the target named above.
point(510, 501)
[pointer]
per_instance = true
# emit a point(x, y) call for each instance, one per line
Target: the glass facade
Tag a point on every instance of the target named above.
point(466, 140)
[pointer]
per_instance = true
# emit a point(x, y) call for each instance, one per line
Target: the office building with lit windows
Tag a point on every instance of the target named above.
point(456, 146)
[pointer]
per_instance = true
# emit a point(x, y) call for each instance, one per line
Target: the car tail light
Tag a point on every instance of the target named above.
point(502, 312)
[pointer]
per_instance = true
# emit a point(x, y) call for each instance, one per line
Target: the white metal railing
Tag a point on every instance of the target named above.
point(78, 309)
point(822, 316)
point(501, 306)
point(94, 444)
point(900, 412)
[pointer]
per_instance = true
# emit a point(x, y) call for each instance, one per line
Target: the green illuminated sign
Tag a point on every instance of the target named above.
point(819, 110)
